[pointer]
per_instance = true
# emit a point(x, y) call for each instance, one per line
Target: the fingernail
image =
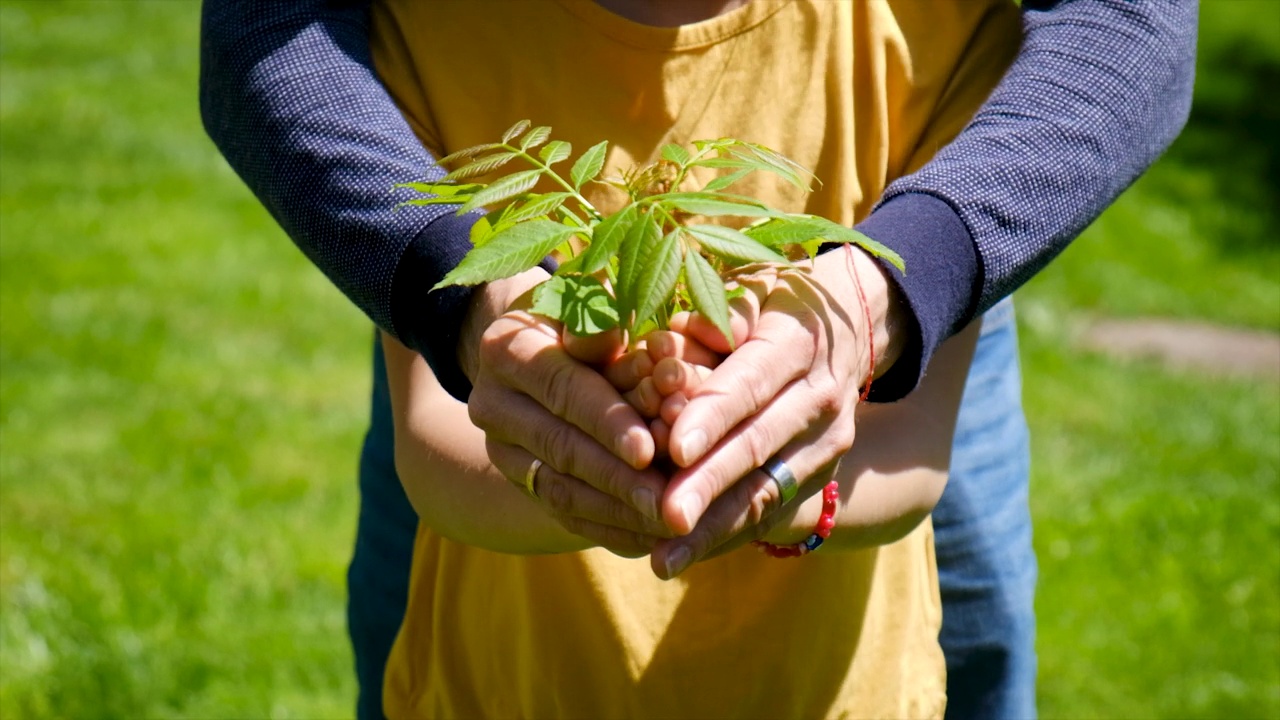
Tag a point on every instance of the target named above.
point(692, 446)
point(691, 510)
point(677, 561)
point(643, 499)
point(630, 446)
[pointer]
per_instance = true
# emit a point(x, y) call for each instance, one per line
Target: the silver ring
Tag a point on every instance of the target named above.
point(530, 477)
point(781, 476)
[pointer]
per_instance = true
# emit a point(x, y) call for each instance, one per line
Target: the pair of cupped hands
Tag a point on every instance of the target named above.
point(656, 450)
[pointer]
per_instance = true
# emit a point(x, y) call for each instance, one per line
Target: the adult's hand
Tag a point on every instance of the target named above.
point(534, 400)
point(788, 390)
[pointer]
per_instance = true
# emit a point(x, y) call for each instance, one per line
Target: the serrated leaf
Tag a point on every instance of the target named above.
point(536, 206)
point(725, 181)
point(466, 153)
point(788, 230)
point(514, 131)
point(536, 137)
point(581, 302)
point(768, 164)
point(658, 277)
point(835, 232)
point(485, 164)
point(732, 245)
point(712, 207)
point(441, 189)
point(720, 163)
point(706, 289)
point(507, 253)
point(555, 151)
point(455, 200)
point(589, 165)
point(504, 189)
point(881, 251)
point(675, 154)
point(606, 238)
point(633, 255)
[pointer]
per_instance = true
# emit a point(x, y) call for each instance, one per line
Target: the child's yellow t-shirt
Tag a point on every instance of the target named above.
point(861, 92)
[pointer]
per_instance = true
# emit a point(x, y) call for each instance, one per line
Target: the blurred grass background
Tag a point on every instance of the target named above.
point(182, 398)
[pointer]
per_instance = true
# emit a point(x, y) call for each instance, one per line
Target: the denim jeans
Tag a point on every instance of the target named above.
point(982, 534)
point(982, 529)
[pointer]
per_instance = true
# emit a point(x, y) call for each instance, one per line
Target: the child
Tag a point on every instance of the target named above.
point(861, 93)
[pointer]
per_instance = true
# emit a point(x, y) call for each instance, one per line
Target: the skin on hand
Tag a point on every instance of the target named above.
point(789, 390)
point(533, 399)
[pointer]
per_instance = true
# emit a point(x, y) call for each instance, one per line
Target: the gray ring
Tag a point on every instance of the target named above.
point(781, 476)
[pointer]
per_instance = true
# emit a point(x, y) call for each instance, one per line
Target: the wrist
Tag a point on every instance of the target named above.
point(488, 302)
point(872, 303)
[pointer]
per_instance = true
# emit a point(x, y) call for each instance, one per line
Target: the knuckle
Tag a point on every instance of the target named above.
point(557, 444)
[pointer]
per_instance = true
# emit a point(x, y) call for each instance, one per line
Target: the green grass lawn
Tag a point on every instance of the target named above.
point(182, 398)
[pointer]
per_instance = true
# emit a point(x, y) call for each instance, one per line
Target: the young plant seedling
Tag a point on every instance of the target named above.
point(645, 262)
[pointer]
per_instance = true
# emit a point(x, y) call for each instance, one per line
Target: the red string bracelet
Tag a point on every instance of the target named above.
point(871, 330)
point(827, 521)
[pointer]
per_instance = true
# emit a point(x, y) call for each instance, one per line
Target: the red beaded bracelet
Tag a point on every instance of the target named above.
point(827, 521)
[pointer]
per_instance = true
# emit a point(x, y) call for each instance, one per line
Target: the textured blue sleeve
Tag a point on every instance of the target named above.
point(1099, 89)
point(289, 95)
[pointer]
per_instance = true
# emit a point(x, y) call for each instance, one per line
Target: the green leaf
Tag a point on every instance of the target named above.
point(835, 232)
point(466, 153)
point(507, 253)
point(706, 289)
point(481, 231)
point(455, 200)
point(555, 151)
point(675, 154)
point(589, 164)
point(658, 277)
point(712, 206)
point(441, 189)
point(606, 238)
point(504, 189)
point(732, 245)
point(634, 254)
point(536, 137)
point(581, 302)
point(720, 163)
point(536, 206)
point(881, 251)
point(514, 131)
point(481, 166)
point(725, 181)
point(788, 230)
point(785, 165)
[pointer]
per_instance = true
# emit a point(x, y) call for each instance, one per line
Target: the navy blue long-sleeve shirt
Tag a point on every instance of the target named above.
point(1099, 89)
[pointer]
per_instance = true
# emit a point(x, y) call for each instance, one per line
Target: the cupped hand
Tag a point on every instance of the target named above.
point(789, 390)
point(535, 400)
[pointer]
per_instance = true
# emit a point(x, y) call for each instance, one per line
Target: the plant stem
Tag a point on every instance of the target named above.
point(586, 204)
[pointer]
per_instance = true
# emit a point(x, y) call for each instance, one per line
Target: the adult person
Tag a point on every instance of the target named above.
point(1097, 91)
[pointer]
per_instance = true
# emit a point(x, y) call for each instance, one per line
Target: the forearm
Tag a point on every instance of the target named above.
point(1099, 89)
point(446, 472)
point(289, 95)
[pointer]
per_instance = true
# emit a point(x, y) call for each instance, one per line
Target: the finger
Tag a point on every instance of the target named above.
point(565, 496)
point(627, 371)
point(781, 351)
point(661, 431)
point(512, 418)
point(525, 353)
point(747, 511)
point(645, 398)
point(671, 375)
point(596, 349)
point(744, 312)
point(672, 406)
point(667, 344)
point(792, 414)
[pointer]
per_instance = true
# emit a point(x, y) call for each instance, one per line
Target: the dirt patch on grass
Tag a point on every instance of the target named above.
point(1199, 347)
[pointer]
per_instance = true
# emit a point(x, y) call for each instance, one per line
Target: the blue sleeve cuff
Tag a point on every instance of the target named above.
point(940, 286)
